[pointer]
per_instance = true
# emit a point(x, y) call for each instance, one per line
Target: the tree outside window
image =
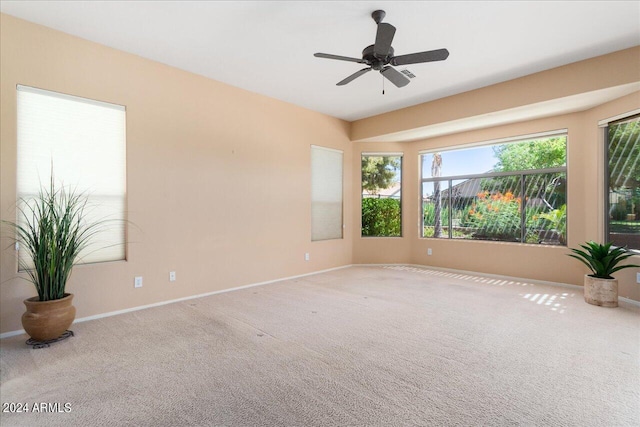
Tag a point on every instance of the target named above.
point(381, 196)
point(623, 195)
point(514, 191)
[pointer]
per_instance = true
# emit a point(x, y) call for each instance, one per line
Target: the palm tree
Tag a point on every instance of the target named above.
point(436, 166)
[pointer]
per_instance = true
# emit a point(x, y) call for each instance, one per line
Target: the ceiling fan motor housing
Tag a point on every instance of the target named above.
point(380, 55)
point(375, 62)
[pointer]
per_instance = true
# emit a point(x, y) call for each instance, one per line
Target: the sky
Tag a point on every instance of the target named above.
point(465, 161)
point(462, 162)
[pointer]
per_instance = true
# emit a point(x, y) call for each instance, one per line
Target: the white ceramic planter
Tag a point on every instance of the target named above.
point(602, 292)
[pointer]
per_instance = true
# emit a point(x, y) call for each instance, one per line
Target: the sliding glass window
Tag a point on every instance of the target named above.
point(623, 183)
point(511, 190)
point(381, 195)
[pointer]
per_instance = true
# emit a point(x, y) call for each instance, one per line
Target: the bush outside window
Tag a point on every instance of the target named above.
point(623, 183)
point(513, 192)
point(381, 195)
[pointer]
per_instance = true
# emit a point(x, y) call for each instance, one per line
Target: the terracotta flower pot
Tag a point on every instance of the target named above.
point(602, 292)
point(47, 320)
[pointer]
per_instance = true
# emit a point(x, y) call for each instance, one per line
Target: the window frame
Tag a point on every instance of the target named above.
point(401, 169)
point(450, 179)
point(312, 192)
point(605, 125)
point(118, 234)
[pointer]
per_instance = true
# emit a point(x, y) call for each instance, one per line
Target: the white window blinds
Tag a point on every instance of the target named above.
point(85, 142)
point(326, 193)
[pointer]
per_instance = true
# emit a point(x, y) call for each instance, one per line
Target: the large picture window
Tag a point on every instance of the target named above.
point(623, 183)
point(513, 191)
point(381, 195)
point(84, 142)
point(326, 193)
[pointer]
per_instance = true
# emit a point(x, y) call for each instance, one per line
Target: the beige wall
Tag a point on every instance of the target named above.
point(585, 168)
point(218, 177)
point(585, 205)
point(613, 70)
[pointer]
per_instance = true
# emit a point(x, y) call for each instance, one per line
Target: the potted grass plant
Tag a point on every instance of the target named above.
point(600, 287)
point(52, 231)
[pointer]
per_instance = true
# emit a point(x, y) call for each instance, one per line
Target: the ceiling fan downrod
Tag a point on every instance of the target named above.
point(378, 15)
point(381, 57)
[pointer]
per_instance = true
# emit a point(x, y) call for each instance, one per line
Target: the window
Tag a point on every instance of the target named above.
point(381, 191)
point(623, 183)
point(326, 193)
point(84, 141)
point(512, 191)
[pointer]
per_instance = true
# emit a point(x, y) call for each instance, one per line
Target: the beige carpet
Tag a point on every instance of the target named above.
point(362, 346)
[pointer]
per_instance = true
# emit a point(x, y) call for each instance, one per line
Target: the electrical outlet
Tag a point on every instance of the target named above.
point(137, 282)
point(637, 277)
point(429, 251)
point(306, 256)
point(172, 276)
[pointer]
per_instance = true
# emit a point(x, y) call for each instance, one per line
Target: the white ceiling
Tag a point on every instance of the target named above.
point(267, 46)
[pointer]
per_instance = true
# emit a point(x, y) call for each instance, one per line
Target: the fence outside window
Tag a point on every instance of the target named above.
point(522, 206)
point(623, 183)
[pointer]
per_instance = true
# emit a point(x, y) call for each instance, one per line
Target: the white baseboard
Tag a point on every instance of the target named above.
point(630, 301)
point(494, 276)
point(158, 304)
point(428, 267)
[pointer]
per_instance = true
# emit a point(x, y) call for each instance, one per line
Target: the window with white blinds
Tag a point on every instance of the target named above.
point(326, 193)
point(84, 141)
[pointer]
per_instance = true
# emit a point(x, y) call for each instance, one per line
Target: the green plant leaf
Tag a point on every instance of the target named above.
point(583, 261)
point(53, 232)
point(601, 258)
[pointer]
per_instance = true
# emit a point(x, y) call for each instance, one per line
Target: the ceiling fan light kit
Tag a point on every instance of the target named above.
point(380, 55)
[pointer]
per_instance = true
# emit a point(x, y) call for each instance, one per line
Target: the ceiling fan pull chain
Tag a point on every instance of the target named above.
point(380, 56)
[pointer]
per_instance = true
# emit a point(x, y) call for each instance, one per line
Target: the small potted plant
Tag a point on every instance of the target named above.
point(52, 230)
point(601, 288)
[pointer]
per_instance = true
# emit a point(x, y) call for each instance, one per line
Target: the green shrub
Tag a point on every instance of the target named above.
point(557, 220)
point(496, 216)
point(380, 217)
point(619, 211)
point(430, 215)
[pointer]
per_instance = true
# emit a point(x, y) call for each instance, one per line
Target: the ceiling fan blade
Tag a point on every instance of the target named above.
point(338, 57)
point(353, 76)
point(416, 58)
point(394, 76)
point(384, 37)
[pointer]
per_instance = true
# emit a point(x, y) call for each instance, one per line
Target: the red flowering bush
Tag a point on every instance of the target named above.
point(495, 216)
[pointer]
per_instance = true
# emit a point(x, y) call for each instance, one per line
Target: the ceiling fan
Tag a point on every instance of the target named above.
point(379, 56)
